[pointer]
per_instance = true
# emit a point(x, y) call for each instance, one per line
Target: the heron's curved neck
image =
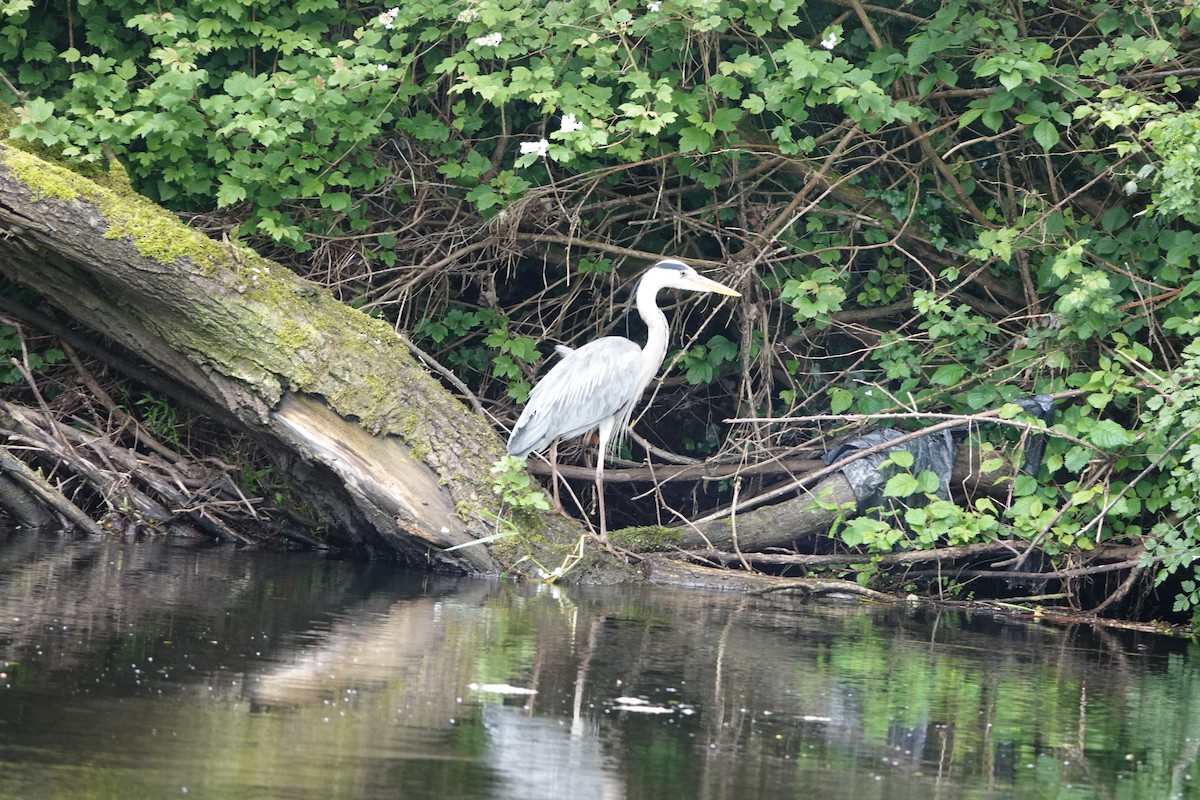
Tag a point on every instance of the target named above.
point(657, 331)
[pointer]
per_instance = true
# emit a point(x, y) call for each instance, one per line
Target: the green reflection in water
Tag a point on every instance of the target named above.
point(142, 671)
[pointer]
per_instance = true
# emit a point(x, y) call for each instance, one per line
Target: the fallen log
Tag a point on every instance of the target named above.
point(394, 465)
point(812, 512)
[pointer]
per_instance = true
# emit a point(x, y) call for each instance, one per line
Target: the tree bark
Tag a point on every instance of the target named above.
point(396, 466)
point(812, 513)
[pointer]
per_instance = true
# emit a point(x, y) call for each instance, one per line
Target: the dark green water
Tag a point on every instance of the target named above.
point(147, 671)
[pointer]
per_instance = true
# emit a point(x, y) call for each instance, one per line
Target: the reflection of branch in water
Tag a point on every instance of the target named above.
point(727, 710)
point(1186, 762)
point(364, 651)
point(585, 663)
point(537, 758)
point(88, 588)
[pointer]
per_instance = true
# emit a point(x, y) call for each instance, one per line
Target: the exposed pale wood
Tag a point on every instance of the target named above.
point(664, 570)
point(813, 511)
point(393, 463)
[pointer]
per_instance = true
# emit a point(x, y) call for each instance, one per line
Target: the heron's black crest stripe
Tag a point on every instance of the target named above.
point(671, 263)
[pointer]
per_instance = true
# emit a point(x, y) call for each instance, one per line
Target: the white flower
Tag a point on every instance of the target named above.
point(388, 18)
point(467, 15)
point(829, 41)
point(654, 7)
point(491, 40)
point(570, 124)
point(538, 148)
point(381, 67)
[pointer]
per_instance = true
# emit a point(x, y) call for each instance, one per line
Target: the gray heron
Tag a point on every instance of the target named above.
point(598, 384)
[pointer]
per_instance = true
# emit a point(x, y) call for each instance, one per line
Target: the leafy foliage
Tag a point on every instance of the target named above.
point(12, 349)
point(938, 208)
point(515, 487)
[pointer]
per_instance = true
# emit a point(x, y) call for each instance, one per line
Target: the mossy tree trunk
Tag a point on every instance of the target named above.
point(395, 465)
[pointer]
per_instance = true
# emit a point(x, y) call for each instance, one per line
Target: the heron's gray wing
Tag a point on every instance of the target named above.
point(588, 386)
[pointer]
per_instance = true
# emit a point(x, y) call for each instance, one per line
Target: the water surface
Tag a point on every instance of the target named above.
point(151, 670)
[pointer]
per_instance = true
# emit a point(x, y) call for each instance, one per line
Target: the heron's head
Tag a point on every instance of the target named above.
point(671, 273)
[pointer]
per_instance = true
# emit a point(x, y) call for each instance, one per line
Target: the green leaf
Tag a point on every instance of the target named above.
point(1024, 485)
point(948, 374)
point(1011, 80)
point(721, 350)
point(1010, 411)
point(694, 140)
point(726, 119)
point(1108, 435)
point(484, 197)
point(980, 396)
point(991, 465)
point(1077, 458)
point(39, 110)
point(902, 485)
point(1026, 507)
point(230, 192)
point(1046, 134)
point(840, 400)
point(851, 535)
point(928, 481)
point(337, 201)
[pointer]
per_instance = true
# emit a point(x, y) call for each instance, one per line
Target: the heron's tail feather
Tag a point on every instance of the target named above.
point(528, 435)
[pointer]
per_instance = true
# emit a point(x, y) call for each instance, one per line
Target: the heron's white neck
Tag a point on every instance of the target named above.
point(657, 330)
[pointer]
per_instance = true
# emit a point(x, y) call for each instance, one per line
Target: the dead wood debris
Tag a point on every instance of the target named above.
point(73, 455)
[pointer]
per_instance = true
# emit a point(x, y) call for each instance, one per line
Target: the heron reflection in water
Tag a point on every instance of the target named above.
point(598, 384)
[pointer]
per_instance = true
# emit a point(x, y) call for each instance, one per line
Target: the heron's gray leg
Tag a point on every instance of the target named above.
point(600, 499)
point(605, 431)
point(554, 472)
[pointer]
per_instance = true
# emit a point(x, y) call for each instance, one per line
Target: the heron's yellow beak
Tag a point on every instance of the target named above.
point(703, 284)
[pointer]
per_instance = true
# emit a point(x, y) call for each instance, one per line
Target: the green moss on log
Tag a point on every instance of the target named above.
point(154, 232)
point(649, 538)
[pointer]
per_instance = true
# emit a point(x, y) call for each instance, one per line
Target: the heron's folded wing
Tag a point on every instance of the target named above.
point(588, 386)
